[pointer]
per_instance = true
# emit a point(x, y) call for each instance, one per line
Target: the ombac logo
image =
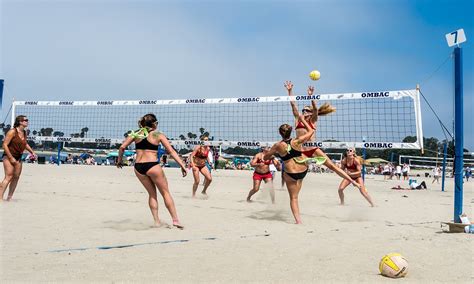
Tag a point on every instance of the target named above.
point(31, 103)
point(248, 100)
point(248, 144)
point(105, 103)
point(147, 102)
point(313, 144)
point(378, 145)
point(314, 97)
point(375, 95)
point(193, 142)
point(102, 140)
point(195, 101)
point(66, 103)
point(64, 139)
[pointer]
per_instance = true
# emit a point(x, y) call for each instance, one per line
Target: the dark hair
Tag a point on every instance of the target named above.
point(285, 131)
point(19, 119)
point(203, 136)
point(148, 121)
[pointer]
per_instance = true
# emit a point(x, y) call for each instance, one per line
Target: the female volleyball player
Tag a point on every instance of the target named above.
point(198, 158)
point(352, 166)
point(290, 151)
point(13, 147)
point(311, 114)
point(262, 172)
point(147, 166)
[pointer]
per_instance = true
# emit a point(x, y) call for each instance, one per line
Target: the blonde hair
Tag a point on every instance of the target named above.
point(325, 109)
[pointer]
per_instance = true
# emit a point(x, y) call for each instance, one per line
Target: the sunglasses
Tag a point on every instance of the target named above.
point(24, 120)
point(307, 110)
point(350, 151)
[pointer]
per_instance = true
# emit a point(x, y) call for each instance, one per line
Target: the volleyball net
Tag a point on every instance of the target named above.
point(385, 119)
point(422, 162)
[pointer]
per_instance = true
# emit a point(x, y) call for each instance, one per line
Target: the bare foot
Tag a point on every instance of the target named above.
point(178, 225)
point(298, 222)
point(158, 225)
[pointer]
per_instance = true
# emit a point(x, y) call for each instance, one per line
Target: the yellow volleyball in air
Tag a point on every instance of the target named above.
point(314, 75)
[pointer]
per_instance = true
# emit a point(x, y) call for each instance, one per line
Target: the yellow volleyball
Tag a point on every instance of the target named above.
point(314, 75)
point(393, 265)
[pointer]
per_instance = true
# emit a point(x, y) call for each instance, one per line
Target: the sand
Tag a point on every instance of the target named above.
point(59, 217)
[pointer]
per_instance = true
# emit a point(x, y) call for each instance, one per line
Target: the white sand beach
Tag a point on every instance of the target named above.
point(60, 216)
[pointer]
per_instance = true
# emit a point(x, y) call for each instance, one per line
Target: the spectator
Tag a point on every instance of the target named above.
point(436, 174)
point(405, 171)
point(415, 185)
point(398, 171)
point(468, 173)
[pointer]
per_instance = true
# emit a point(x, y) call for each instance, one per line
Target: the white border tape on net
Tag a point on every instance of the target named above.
point(325, 97)
point(245, 144)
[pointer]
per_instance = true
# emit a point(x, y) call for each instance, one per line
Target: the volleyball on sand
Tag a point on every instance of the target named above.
point(314, 75)
point(393, 265)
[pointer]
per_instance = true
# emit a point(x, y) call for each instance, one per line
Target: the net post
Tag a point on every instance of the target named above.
point(13, 113)
point(458, 135)
point(363, 157)
point(445, 153)
point(1, 94)
point(59, 153)
point(419, 127)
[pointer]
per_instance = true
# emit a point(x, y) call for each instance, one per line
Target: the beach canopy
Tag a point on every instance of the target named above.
point(126, 153)
point(375, 161)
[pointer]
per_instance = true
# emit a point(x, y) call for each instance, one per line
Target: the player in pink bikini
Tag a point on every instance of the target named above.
point(198, 159)
point(311, 114)
point(353, 168)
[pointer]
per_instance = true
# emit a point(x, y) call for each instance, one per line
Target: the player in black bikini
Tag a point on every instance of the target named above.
point(147, 167)
point(289, 150)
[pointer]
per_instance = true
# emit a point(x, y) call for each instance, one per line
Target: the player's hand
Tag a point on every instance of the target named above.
point(289, 86)
point(184, 172)
point(310, 90)
point(12, 161)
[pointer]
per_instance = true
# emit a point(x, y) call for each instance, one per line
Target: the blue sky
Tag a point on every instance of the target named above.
point(99, 50)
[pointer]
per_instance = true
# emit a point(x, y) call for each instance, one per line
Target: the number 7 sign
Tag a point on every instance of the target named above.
point(456, 37)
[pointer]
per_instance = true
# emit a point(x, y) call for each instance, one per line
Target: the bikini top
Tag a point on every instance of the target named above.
point(290, 152)
point(351, 167)
point(202, 154)
point(144, 144)
point(300, 125)
point(266, 162)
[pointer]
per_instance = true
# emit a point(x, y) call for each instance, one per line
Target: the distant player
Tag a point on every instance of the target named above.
point(353, 168)
point(262, 172)
point(199, 158)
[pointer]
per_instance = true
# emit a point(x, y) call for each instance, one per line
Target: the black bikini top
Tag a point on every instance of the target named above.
point(291, 153)
point(145, 145)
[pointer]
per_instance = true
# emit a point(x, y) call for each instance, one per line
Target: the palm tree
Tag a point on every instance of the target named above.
point(85, 130)
point(57, 134)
